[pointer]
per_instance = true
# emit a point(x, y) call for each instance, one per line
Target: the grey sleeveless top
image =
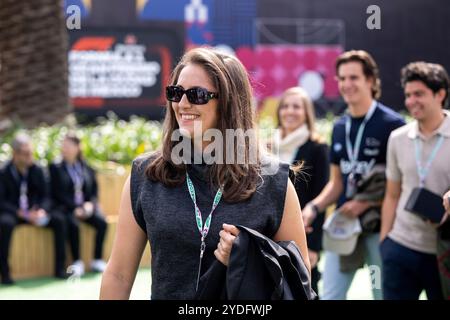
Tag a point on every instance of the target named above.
point(167, 217)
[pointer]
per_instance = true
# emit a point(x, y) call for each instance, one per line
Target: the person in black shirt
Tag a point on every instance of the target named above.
point(24, 199)
point(297, 141)
point(74, 193)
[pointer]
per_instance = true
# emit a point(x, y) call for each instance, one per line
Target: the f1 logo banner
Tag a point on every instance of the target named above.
point(124, 70)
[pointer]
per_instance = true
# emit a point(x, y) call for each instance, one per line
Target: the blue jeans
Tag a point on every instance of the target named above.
point(407, 272)
point(337, 283)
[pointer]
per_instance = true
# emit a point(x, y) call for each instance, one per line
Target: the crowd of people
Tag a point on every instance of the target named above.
point(385, 199)
point(59, 198)
point(372, 150)
point(378, 196)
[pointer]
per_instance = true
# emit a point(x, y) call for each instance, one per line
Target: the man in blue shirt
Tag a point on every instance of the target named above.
point(359, 141)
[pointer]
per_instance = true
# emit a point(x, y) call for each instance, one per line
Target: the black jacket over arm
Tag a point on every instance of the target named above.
point(308, 184)
point(258, 269)
point(38, 195)
point(63, 189)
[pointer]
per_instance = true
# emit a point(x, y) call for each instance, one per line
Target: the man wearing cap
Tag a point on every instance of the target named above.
point(418, 167)
point(359, 142)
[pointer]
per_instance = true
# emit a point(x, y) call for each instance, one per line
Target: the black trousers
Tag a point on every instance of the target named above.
point(7, 224)
point(73, 230)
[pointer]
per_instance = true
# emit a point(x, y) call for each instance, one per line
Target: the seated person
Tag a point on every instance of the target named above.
point(24, 199)
point(74, 192)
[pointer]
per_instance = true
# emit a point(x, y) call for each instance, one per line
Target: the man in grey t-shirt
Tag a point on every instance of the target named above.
point(417, 156)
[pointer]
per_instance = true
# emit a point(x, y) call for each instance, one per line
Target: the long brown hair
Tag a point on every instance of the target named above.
point(309, 110)
point(231, 81)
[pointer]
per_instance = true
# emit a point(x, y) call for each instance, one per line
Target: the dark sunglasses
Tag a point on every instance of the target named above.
point(195, 95)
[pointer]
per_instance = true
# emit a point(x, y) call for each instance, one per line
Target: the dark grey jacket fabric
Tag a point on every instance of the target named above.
point(259, 269)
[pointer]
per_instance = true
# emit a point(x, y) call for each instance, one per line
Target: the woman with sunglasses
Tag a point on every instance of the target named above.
point(296, 140)
point(188, 209)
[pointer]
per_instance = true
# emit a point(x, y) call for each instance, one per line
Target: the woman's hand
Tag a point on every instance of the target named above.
point(308, 215)
point(313, 258)
point(446, 201)
point(227, 236)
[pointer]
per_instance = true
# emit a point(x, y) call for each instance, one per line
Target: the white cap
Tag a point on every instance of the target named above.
point(340, 234)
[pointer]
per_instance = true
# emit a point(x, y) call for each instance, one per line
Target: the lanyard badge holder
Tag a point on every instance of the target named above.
point(351, 185)
point(23, 198)
point(76, 174)
point(422, 170)
point(79, 198)
point(203, 229)
point(353, 151)
point(23, 190)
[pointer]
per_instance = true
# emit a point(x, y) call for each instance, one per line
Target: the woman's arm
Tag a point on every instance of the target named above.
point(321, 170)
point(446, 201)
point(320, 176)
point(128, 247)
point(291, 227)
point(329, 194)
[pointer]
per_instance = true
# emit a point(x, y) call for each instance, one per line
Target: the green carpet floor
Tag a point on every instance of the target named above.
point(88, 288)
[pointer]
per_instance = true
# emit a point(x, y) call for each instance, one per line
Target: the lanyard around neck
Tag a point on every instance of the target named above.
point(202, 228)
point(422, 170)
point(23, 181)
point(353, 151)
point(76, 174)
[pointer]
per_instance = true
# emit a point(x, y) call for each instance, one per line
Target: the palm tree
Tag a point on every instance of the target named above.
point(33, 61)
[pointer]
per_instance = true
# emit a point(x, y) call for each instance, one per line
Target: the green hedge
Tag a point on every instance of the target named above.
point(112, 141)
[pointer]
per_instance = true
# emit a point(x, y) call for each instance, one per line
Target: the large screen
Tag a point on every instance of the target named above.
point(124, 70)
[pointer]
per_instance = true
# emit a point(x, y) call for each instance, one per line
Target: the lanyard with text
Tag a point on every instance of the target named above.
point(23, 198)
point(353, 150)
point(76, 174)
point(202, 228)
point(422, 170)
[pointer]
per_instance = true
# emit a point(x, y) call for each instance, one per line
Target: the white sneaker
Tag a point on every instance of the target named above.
point(76, 269)
point(98, 265)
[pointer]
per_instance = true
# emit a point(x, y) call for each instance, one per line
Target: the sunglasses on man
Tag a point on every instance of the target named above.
point(196, 95)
